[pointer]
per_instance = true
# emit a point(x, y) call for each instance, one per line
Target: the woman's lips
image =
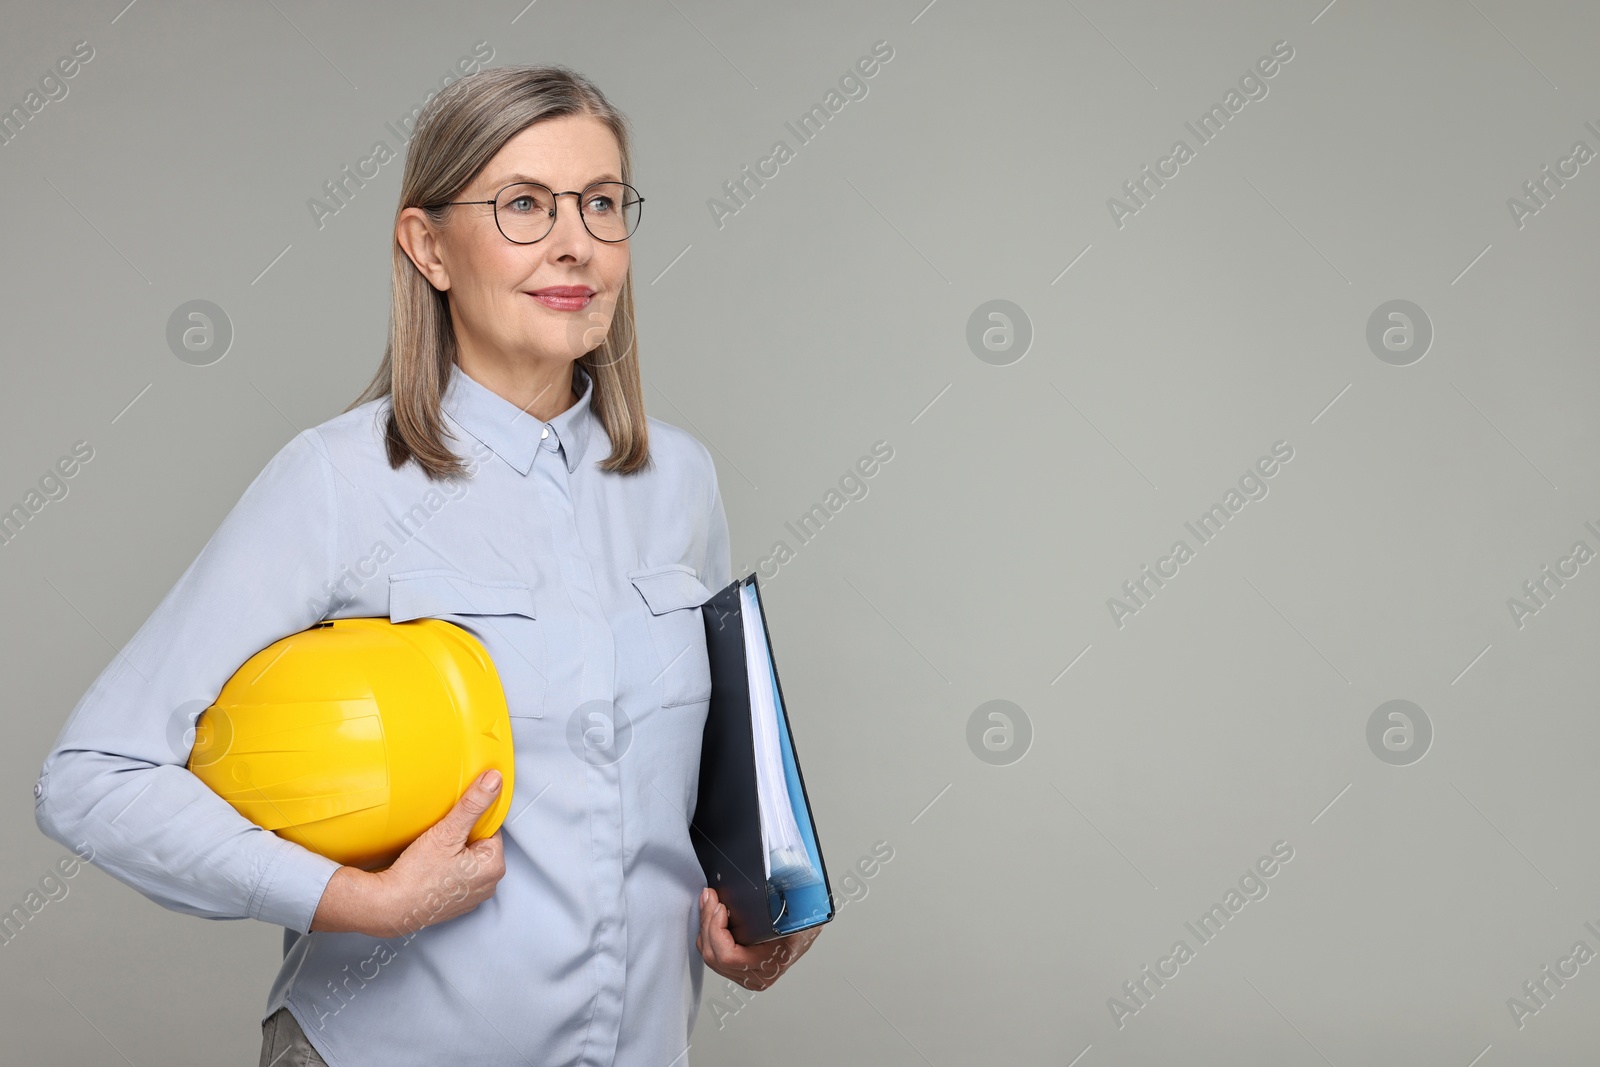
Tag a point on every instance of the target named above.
point(562, 298)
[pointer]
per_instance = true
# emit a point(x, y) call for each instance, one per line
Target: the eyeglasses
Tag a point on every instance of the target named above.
point(525, 212)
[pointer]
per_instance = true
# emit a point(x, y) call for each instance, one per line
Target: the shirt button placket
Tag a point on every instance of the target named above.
point(610, 938)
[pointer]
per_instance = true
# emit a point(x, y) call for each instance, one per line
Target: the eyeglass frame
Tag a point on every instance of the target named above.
point(555, 201)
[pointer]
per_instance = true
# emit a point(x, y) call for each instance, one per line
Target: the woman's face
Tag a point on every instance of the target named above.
point(491, 282)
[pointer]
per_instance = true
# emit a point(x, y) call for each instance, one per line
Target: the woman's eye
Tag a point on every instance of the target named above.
point(522, 203)
point(600, 204)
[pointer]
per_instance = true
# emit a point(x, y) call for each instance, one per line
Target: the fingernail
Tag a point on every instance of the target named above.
point(491, 781)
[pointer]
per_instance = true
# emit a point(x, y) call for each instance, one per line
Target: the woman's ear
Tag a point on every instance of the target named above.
point(419, 238)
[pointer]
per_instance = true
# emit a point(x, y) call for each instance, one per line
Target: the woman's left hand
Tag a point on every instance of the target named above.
point(752, 966)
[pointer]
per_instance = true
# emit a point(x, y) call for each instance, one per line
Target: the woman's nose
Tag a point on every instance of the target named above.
point(569, 228)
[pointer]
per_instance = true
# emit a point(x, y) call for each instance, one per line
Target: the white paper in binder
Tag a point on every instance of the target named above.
point(788, 864)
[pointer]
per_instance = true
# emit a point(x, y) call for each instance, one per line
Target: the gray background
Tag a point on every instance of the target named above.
point(832, 312)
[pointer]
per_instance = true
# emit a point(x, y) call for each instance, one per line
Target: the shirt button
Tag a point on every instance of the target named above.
point(544, 433)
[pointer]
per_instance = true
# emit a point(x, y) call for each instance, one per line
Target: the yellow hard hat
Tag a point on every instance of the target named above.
point(353, 737)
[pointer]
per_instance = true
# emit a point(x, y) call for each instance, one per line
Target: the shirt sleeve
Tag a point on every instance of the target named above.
point(718, 569)
point(116, 788)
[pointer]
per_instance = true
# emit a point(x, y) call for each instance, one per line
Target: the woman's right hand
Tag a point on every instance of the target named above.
point(438, 877)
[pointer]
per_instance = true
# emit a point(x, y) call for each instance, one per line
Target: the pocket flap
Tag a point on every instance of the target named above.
point(424, 594)
point(669, 588)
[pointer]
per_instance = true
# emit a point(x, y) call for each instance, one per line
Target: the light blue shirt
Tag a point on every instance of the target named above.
point(584, 586)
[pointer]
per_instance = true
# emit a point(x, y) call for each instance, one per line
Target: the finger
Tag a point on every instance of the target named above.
point(727, 951)
point(474, 802)
point(702, 941)
point(483, 850)
point(796, 944)
point(488, 861)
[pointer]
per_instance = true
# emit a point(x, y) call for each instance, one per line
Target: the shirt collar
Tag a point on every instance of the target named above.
point(512, 433)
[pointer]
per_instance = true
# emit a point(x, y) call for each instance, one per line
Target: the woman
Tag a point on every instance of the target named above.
point(499, 471)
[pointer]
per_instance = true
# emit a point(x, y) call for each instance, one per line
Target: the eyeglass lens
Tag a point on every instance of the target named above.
point(527, 212)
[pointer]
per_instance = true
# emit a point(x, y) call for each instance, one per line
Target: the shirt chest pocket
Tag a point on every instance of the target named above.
point(677, 630)
point(498, 612)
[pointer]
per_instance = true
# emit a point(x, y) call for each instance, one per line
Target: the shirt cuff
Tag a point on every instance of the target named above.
point(292, 886)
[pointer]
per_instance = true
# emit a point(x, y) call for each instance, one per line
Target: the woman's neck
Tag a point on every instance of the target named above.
point(543, 388)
